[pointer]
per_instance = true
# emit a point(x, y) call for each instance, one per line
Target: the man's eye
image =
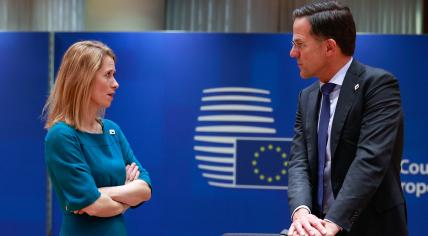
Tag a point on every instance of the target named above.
point(299, 45)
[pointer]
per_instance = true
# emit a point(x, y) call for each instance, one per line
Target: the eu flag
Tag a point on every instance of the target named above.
point(262, 162)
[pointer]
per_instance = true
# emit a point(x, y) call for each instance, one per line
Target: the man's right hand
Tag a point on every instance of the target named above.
point(306, 224)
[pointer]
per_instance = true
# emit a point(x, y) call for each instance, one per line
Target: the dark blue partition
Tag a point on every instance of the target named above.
point(406, 58)
point(171, 83)
point(162, 78)
point(23, 90)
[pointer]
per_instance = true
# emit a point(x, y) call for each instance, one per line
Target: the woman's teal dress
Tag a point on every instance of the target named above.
point(78, 164)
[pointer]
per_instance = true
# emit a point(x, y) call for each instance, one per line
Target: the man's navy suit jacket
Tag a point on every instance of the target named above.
point(366, 150)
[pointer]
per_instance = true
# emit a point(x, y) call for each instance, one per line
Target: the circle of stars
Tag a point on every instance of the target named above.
point(266, 177)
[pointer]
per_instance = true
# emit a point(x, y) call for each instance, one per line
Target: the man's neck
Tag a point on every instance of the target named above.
point(333, 67)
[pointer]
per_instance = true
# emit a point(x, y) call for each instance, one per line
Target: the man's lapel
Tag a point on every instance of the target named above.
point(312, 121)
point(349, 88)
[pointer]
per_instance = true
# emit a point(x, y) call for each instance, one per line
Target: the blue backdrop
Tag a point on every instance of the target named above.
point(177, 92)
point(24, 83)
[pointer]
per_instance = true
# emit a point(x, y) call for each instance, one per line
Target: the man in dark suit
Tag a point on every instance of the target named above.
point(344, 173)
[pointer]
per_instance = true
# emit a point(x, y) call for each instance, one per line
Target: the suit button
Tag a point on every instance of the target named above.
point(354, 216)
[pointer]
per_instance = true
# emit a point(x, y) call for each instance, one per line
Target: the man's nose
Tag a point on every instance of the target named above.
point(294, 52)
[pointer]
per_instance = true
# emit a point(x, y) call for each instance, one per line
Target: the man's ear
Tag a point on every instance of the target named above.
point(331, 46)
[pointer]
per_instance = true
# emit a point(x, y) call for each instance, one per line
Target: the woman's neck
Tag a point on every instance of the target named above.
point(90, 123)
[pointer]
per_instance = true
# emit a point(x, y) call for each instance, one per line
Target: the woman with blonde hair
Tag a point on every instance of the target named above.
point(92, 168)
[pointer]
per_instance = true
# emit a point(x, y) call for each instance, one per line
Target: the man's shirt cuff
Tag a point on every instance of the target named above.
point(298, 208)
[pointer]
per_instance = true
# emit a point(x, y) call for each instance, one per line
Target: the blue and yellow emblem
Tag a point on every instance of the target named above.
point(262, 163)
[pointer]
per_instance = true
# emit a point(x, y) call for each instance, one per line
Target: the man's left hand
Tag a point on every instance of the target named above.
point(331, 228)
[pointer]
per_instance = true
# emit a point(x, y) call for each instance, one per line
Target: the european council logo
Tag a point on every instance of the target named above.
point(236, 142)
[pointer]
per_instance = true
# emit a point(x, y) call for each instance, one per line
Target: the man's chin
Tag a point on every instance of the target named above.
point(304, 76)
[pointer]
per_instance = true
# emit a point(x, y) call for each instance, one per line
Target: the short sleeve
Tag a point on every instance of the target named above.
point(68, 170)
point(129, 158)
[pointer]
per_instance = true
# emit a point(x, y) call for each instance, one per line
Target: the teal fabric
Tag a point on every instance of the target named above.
point(79, 163)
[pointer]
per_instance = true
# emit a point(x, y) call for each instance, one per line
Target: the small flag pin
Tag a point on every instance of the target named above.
point(356, 87)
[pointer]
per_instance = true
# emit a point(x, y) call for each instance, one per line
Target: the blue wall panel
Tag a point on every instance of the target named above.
point(23, 90)
point(162, 77)
point(406, 58)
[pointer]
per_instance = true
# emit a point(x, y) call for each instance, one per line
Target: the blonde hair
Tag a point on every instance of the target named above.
point(71, 93)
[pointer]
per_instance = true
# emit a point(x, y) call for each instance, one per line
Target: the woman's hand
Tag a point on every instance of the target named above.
point(124, 208)
point(104, 206)
point(78, 212)
point(132, 173)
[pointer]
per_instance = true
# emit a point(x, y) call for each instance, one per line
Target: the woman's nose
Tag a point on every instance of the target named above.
point(115, 84)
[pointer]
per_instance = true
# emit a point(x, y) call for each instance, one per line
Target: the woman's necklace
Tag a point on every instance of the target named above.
point(95, 129)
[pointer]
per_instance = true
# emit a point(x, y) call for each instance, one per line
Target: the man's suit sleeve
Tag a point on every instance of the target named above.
point(380, 124)
point(299, 187)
